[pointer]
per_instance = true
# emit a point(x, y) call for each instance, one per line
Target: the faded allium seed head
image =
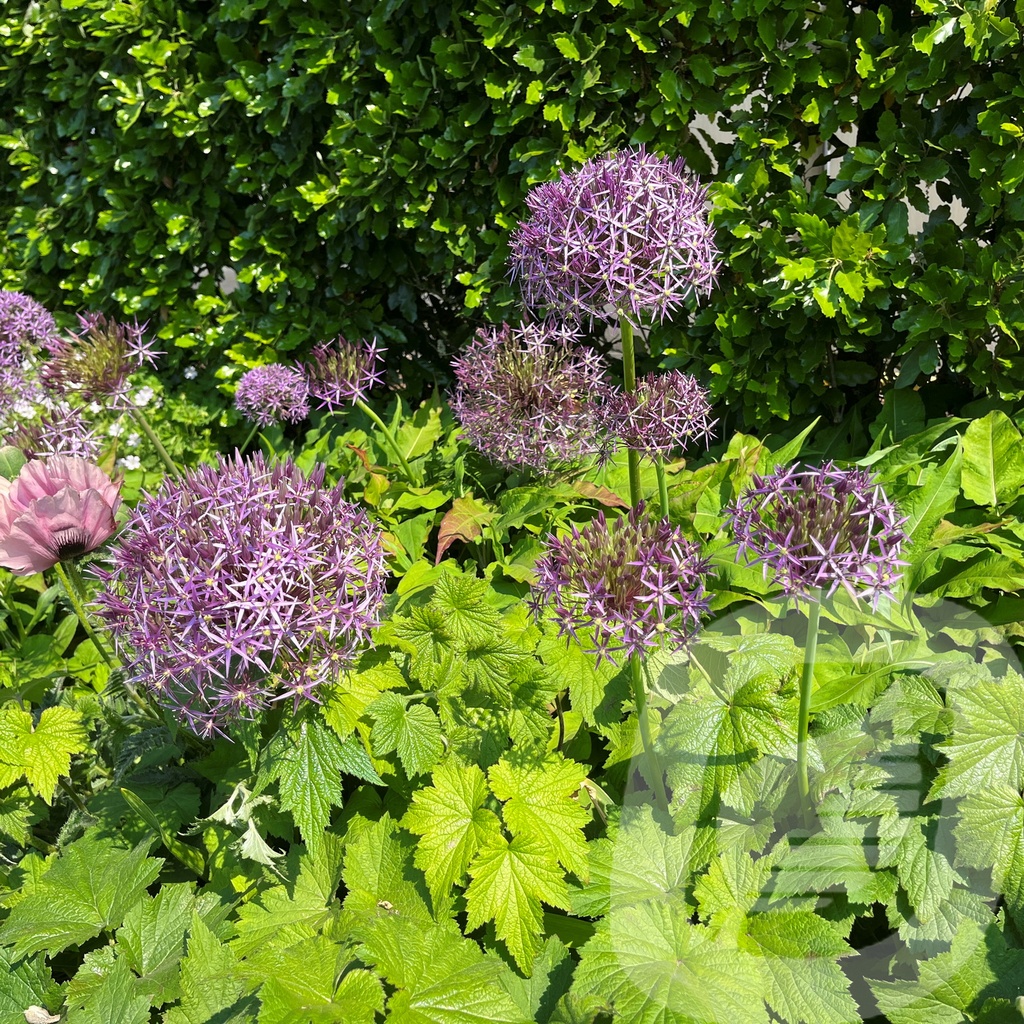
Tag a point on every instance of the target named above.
point(529, 397)
point(666, 413)
point(242, 583)
point(97, 362)
point(822, 528)
point(57, 429)
point(272, 393)
point(344, 372)
point(25, 326)
point(627, 231)
point(636, 584)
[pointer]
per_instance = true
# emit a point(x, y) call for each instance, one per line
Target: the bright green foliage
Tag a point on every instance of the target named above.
point(113, 996)
point(450, 818)
point(25, 982)
point(89, 889)
point(40, 753)
point(413, 730)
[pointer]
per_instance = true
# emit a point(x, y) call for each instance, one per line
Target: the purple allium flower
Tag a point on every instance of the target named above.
point(822, 528)
point(98, 361)
point(343, 373)
point(530, 397)
point(628, 230)
point(636, 584)
point(242, 583)
point(25, 325)
point(664, 414)
point(271, 393)
point(58, 429)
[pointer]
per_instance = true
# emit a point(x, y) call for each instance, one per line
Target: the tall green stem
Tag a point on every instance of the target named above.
point(659, 468)
point(248, 440)
point(165, 458)
point(803, 725)
point(383, 428)
point(69, 575)
point(640, 700)
point(629, 383)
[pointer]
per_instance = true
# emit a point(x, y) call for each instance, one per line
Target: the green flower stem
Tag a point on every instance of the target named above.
point(69, 575)
point(15, 616)
point(640, 700)
point(248, 440)
point(172, 467)
point(629, 382)
point(659, 468)
point(382, 427)
point(803, 725)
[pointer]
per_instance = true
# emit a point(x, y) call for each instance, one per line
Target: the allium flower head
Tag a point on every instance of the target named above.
point(55, 509)
point(97, 361)
point(822, 528)
point(56, 429)
point(272, 393)
point(637, 584)
point(666, 412)
point(343, 373)
point(530, 397)
point(25, 326)
point(242, 583)
point(627, 231)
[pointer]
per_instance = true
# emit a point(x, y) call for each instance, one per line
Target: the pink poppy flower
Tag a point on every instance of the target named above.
point(55, 509)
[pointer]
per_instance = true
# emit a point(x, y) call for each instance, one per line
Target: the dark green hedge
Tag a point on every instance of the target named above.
point(360, 165)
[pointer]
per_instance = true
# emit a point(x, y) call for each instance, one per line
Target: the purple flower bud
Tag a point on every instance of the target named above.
point(529, 397)
point(664, 414)
point(626, 234)
point(25, 326)
point(821, 529)
point(343, 373)
point(637, 584)
point(242, 583)
point(97, 362)
point(272, 393)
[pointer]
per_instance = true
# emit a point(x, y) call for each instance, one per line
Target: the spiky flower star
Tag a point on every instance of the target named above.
point(54, 428)
point(242, 583)
point(25, 325)
point(528, 396)
point(97, 362)
point(626, 234)
point(344, 372)
point(822, 528)
point(636, 584)
point(268, 394)
point(666, 413)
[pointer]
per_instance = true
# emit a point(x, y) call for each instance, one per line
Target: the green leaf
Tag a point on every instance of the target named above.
point(925, 506)
point(25, 983)
point(411, 729)
point(993, 470)
point(211, 984)
point(459, 599)
point(43, 754)
point(547, 981)
point(907, 842)
point(418, 435)
point(596, 691)
point(464, 521)
point(152, 939)
point(986, 748)
point(11, 461)
point(452, 823)
point(509, 880)
point(471, 995)
point(540, 803)
point(89, 889)
point(950, 986)
point(115, 998)
point(652, 966)
point(990, 835)
point(806, 985)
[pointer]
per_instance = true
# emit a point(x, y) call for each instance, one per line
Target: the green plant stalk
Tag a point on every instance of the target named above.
point(248, 440)
point(383, 428)
point(803, 723)
point(69, 575)
point(659, 468)
point(14, 614)
point(640, 700)
point(165, 458)
point(629, 383)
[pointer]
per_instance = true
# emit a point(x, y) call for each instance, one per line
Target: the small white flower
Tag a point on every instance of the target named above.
point(24, 409)
point(130, 462)
point(143, 396)
point(190, 373)
point(115, 429)
point(133, 440)
point(95, 408)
